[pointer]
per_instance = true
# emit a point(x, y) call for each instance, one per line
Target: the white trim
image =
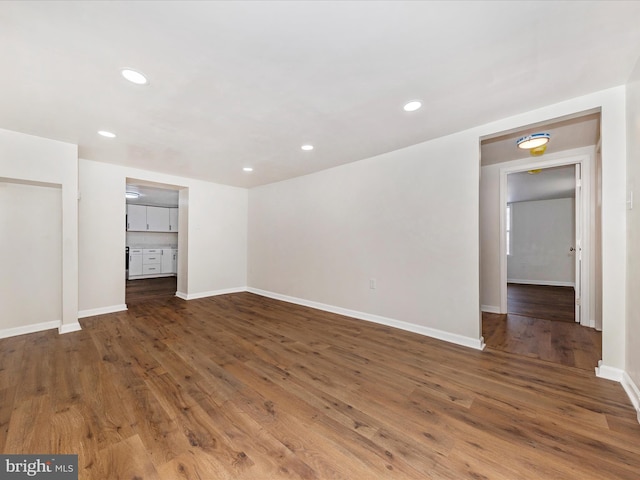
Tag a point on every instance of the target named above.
point(213, 293)
point(633, 391)
point(548, 283)
point(101, 311)
point(610, 373)
point(34, 327)
point(470, 342)
point(490, 308)
point(69, 327)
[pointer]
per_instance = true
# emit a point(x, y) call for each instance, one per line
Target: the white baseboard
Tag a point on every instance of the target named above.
point(633, 391)
point(548, 283)
point(69, 327)
point(489, 308)
point(35, 327)
point(610, 373)
point(92, 312)
point(213, 293)
point(470, 342)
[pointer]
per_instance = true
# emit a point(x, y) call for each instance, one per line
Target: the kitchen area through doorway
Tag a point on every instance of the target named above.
point(151, 251)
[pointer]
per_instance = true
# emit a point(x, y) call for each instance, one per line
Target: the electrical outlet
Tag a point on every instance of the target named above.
point(372, 283)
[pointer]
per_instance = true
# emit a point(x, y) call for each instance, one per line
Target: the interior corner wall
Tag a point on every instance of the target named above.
point(31, 159)
point(632, 366)
point(212, 253)
point(407, 220)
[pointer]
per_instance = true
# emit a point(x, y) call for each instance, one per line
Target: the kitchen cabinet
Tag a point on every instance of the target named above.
point(174, 260)
point(173, 219)
point(143, 218)
point(152, 262)
point(167, 261)
point(137, 218)
point(158, 219)
point(135, 262)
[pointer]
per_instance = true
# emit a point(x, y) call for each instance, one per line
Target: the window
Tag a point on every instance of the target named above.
point(508, 228)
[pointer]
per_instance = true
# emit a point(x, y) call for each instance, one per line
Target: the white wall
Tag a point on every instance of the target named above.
point(632, 365)
point(212, 237)
point(542, 233)
point(30, 255)
point(152, 239)
point(408, 219)
point(36, 160)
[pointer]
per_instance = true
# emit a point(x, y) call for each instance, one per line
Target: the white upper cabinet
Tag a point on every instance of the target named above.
point(142, 218)
point(158, 219)
point(173, 219)
point(136, 218)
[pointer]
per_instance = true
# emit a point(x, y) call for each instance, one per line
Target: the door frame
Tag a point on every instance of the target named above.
point(585, 162)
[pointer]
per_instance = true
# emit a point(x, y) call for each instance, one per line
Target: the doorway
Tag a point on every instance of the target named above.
point(542, 235)
point(531, 297)
point(152, 242)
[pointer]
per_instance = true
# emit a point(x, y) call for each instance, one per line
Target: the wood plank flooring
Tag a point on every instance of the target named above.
point(243, 387)
point(565, 343)
point(542, 301)
point(546, 329)
point(145, 289)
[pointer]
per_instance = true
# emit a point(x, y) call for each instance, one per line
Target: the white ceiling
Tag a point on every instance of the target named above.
point(160, 197)
point(548, 184)
point(238, 84)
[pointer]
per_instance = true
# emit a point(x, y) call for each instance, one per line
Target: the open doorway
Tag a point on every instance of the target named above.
point(152, 242)
point(539, 291)
point(542, 235)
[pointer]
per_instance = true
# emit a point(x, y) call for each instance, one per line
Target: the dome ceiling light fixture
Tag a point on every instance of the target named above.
point(533, 141)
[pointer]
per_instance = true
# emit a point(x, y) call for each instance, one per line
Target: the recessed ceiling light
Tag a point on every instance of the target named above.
point(104, 133)
point(134, 76)
point(307, 147)
point(412, 106)
point(247, 169)
point(132, 194)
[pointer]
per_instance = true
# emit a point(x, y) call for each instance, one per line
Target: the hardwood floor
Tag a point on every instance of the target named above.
point(541, 301)
point(243, 387)
point(544, 329)
point(565, 343)
point(145, 289)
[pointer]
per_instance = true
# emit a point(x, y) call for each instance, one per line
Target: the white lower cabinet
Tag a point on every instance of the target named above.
point(151, 262)
point(135, 262)
point(167, 261)
point(174, 260)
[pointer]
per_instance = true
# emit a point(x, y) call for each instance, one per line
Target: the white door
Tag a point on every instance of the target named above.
point(578, 244)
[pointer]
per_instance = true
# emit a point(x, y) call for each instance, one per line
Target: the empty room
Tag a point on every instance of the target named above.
point(319, 240)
